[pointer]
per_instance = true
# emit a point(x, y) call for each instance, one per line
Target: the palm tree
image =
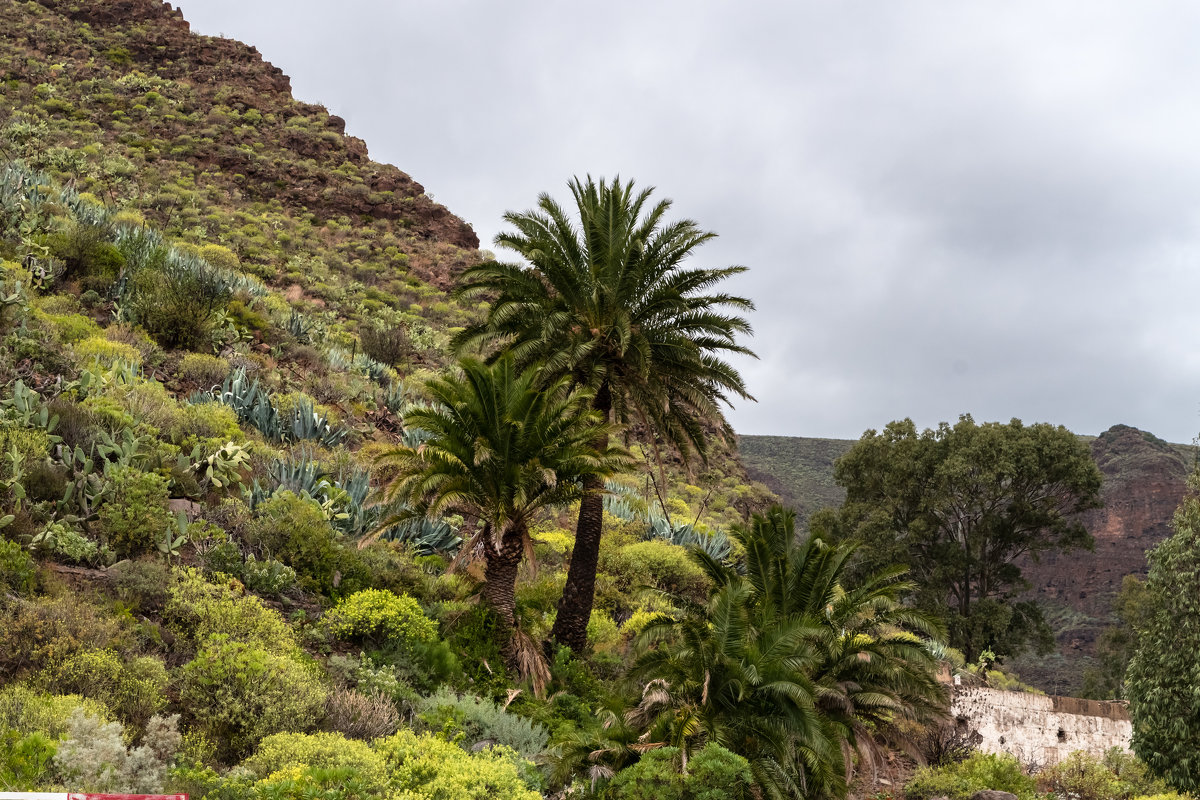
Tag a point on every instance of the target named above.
point(787, 664)
point(607, 303)
point(499, 445)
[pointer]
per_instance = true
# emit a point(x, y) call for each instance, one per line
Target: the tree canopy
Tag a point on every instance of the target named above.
point(1163, 680)
point(960, 505)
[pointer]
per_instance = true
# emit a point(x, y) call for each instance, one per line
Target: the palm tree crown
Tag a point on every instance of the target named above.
point(788, 664)
point(609, 304)
point(499, 446)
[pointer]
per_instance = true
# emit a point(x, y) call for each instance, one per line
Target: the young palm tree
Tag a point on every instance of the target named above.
point(607, 302)
point(499, 446)
point(787, 664)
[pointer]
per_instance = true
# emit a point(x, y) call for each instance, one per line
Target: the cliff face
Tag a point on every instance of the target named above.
point(1144, 481)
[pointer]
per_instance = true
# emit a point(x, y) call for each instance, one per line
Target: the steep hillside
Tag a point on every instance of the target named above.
point(202, 137)
point(798, 469)
point(1144, 480)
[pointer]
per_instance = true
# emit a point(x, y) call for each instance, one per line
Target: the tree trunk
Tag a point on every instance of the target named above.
point(500, 584)
point(575, 605)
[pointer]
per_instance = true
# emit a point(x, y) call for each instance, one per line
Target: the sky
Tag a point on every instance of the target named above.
point(945, 208)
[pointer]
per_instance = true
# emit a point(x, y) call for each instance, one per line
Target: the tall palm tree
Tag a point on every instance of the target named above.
point(788, 664)
point(499, 445)
point(607, 302)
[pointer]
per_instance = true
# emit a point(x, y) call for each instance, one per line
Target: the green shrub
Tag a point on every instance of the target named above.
point(134, 519)
point(285, 751)
point(203, 369)
point(427, 766)
point(27, 710)
point(87, 255)
point(713, 773)
point(180, 305)
point(36, 633)
point(294, 530)
point(978, 771)
point(657, 563)
point(98, 351)
point(33, 444)
point(72, 328)
point(267, 577)
point(133, 691)
point(479, 720)
point(199, 610)
point(1080, 776)
point(602, 632)
point(379, 615)
point(18, 571)
point(238, 693)
point(208, 424)
point(25, 759)
point(141, 585)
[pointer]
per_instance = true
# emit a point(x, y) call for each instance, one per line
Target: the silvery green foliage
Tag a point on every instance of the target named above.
point(485, 721)
point(94, 757)
point(361, 363)
point(425, 536)
point(252, 403)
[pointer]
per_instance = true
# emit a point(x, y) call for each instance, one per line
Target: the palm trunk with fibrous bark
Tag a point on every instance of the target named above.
point(501, 560)
point(575, 606)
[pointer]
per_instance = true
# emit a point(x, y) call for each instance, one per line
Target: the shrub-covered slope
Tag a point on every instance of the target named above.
point(214, 312)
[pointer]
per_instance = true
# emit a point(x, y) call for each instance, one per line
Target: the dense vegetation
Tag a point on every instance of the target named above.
point(303, 496)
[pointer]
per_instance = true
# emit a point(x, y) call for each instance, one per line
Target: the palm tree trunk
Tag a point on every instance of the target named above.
point(500, 583)
point(575, 605)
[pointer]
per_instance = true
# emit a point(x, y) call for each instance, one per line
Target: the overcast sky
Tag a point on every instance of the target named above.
point(945, 207)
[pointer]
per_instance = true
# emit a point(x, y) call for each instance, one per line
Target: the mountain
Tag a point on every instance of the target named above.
point(1144, 481)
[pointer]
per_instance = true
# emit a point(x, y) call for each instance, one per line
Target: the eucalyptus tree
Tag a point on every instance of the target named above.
point(789, 664)
point(606, 300)
point(499, 445)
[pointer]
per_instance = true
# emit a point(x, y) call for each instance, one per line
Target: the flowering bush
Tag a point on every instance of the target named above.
point(380, 615)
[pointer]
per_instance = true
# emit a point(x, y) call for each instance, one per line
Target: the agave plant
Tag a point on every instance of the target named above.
point(715, 544)
point(425, 536)
point(251, 403)
point(305, 423)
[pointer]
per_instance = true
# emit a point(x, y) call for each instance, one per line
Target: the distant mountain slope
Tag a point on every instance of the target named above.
point(798, 469)
point(1144, 481)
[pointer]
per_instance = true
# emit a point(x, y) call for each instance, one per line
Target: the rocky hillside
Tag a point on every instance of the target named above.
point(1144, 480)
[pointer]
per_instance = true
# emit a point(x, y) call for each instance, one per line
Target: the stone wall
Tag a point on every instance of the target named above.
point(1039, 729)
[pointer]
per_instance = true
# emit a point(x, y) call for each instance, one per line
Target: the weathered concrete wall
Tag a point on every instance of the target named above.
point(1039, 729)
